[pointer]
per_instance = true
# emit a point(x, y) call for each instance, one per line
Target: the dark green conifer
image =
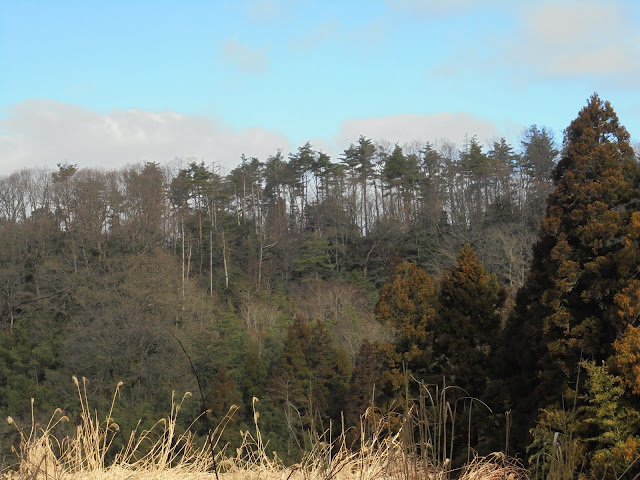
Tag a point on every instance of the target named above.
point(329, 373)
point(254, 377)
point(366, 374)
point(288, 385)
point(566, 310)
point(469, 322)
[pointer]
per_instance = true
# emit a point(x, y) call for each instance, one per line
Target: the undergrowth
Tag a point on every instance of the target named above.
point(410, 445)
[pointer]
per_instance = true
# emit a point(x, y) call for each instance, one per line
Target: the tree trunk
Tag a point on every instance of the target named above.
point(224, 261)
point(183, 265)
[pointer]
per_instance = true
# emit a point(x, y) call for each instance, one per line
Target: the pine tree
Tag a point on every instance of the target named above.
point(469, 322)
point(223, 394)
point(329, 373)
point(584, 260)
point(361, 387)
point(223, 398)
point(289, 385)
point(408, 305)
point(289, 381)
point(314, 261)
point(254, 377)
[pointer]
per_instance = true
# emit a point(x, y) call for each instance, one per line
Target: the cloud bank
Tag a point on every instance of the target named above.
point(45, 133)
point(579, 38)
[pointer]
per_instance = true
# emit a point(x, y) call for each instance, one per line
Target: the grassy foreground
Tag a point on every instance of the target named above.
point(162, 453)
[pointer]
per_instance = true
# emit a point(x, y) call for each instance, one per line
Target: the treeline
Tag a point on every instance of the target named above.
point(257, 217)
point(305, 282)
point(100, 268)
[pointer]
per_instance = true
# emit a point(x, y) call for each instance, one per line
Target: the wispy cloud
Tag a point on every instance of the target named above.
point(42, 132)
point(571, 39)
point(270, 11)
point(323, 32)
point(263, 10)
point(444, 71)
point(243, 57)
point(332, 30)
point(370, 33)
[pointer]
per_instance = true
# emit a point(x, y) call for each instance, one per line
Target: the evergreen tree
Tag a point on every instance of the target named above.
point(408, 304)
point(289, 384)
point(223, 395)
point(254, 377)
point(627, 358)
point(329, 373)
point(584, 258)
point(361, 387)
point(224, 402)
point(533, 174)
point(314, 261)
point(469, 322)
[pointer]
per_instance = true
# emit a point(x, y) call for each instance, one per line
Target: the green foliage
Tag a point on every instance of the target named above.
point(27, 361)
point(469, 322)
point(289, 382)
point(597, 434)
point(555, 452)
point(361, 396)
point(253, 379)
point(608, 424)
point(330, 369)
point(224, 401)
point(314, 261)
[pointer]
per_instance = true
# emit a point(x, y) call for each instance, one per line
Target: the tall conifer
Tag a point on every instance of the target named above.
point(407, 304)
point(469, 307)
point(566, 309)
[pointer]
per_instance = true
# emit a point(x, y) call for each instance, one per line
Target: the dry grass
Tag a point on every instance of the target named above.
point(160, 453)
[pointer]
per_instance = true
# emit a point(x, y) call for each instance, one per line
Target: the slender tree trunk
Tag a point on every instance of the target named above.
point(375, 193)
point(244, 200)
point(260, 263)
point(189, 259)
point(366, 206)
point(224, 261)
point(183, 265)
point(211, 262)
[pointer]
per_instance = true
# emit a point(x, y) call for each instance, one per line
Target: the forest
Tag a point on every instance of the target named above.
point(507, 274)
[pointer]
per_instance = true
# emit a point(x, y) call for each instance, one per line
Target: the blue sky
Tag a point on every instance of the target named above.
point(111, 83)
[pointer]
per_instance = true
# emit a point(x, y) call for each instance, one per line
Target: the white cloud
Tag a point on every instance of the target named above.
point(407, 128)
point(41, 132)
point(244, 58)
point(571, 39)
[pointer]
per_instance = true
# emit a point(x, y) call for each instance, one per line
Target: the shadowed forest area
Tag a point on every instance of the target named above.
point(508, 275)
